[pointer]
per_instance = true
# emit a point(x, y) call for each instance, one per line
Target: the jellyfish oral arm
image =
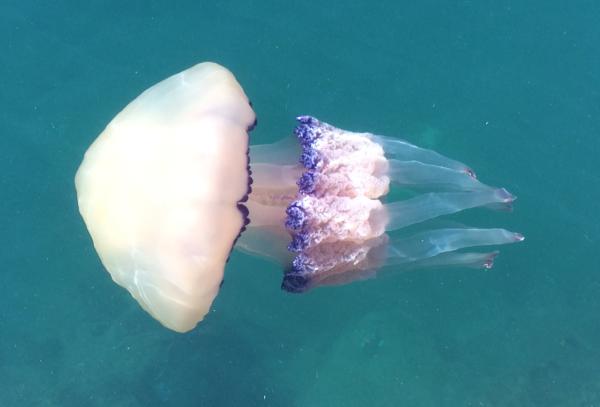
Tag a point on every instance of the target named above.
point(407, 152)
point(434, 204)
point(328, 205)
point(435, 242)
point(415, 174)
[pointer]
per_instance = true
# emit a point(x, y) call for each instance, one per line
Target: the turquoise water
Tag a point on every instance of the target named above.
point(509, 87)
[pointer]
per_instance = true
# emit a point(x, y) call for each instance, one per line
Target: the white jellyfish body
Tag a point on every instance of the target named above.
point(166, 191)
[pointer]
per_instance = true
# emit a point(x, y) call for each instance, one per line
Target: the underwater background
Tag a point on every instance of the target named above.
point(509, 87)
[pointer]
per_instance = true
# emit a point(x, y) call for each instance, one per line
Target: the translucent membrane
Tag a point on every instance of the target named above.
point(434, 242)
point(434, 204)
point(330, 206)
point(405, 151)
point(416, 174)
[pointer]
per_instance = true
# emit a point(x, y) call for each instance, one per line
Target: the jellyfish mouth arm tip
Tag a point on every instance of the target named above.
point(488, 263)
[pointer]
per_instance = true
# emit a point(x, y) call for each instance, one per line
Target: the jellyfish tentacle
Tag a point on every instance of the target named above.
point(405, 151)
point(339, 162)
point(308, 273)
point(474, 260)
point(434, 242)
point(416, 174)
point(313, 220)
point(431, 205)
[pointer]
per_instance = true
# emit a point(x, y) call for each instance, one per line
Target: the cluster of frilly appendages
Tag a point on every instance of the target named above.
point(332, 221)
point(338, 223)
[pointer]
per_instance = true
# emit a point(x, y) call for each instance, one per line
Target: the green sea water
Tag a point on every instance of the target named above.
point(509, 87)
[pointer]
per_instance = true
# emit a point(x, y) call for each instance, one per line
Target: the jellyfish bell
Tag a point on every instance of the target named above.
point(168, 189)
point(159, 191)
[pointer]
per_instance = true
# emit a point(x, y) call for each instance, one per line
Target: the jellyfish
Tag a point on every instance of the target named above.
point(172, 186)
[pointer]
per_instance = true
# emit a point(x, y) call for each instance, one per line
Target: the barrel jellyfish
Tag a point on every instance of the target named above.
point(172, 185)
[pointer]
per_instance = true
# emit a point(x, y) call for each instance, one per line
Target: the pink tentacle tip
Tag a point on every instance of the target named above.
point(519, 237)
point(470, 172)
point(489, 262)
